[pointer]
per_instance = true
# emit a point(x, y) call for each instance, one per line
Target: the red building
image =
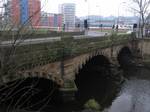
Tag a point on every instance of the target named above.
point(34, 12)
point(51, 20)
point(60, 20)
point(15, 12)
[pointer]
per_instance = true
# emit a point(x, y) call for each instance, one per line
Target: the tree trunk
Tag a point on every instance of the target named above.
point(143, 25)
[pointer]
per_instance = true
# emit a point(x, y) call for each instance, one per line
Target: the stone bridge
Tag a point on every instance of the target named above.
point(62, 61)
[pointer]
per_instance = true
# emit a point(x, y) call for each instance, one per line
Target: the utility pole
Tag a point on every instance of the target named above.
point(88, 18)
point(62, 62)
point(120, 4)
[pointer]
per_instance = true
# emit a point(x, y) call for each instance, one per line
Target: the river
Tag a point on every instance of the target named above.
point(134, 97)
point(135, 92)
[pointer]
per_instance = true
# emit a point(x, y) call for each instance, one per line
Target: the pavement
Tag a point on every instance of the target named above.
point(92, 34)
point(95, 33)
point(30, 41)
point(88, 34)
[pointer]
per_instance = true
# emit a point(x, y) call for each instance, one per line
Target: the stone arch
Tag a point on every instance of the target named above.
point(92, 80)
point(85, 58)
point(32, 74)
point(125, 56)
point(21, 89)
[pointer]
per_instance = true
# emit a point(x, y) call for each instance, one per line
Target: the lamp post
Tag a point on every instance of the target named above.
point(100, 25)
point(88, 7)
point(120, 4)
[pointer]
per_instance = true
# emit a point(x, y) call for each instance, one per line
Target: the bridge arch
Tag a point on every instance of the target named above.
point(93, 80)
point(30, 93)
point(20, 75)
point(125, 57)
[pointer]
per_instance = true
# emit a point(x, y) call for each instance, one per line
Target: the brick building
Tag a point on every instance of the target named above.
point(51, 20)
point(15, 12)
point(26, 11)
point(34, 12)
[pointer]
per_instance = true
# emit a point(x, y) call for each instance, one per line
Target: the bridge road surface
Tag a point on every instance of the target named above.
point(92, 34)
point(96, 33)
point(30, 41)
point(88, 34)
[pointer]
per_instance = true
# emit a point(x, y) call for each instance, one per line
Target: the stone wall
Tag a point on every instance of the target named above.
point(42, 58)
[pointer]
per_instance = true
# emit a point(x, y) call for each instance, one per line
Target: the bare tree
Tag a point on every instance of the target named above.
point(7, 66)
point(142, 8)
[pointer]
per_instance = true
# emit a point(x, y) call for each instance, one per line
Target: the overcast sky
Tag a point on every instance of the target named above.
point(91, 7)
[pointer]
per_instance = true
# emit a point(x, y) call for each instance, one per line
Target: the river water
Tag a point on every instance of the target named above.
point(134, 97)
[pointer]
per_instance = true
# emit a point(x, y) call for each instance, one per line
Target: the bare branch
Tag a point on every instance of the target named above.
point(134, 9)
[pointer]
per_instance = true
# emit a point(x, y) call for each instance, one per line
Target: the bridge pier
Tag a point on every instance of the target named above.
point(69, 88)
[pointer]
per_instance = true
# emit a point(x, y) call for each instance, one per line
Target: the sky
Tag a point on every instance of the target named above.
point(91, 7)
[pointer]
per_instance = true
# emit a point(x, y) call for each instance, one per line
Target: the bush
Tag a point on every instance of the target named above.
point(92, 104)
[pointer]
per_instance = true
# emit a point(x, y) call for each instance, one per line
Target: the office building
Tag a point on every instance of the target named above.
point(51, 20)
point(15, 12)
point(68, 11)
point(34, 12)
point(26, 12)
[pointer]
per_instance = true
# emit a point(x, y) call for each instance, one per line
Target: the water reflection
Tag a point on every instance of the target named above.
point(134, 97)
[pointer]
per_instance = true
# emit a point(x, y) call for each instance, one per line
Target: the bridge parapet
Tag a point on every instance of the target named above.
point(68, 47)
point(28, 57)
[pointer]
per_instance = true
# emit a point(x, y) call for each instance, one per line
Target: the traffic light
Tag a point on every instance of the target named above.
point(86, 24)
point(134, 26)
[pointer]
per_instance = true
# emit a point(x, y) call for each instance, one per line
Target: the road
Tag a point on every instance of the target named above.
point(96, 33)
point(92, 34)
point(30, 41)
point(88, 34)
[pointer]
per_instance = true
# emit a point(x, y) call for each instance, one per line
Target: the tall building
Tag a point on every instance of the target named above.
point(25, 11)
point(59, 20)
point(68, 11)
point(51, 20)
point(34, 12)
point(44, 19)
point(15, 12)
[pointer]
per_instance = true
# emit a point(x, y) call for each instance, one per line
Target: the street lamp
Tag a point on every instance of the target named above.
point(88, 6)
point(120, 4)
point(100, 25)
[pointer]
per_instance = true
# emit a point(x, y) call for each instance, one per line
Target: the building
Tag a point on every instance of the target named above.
point(68, 11)
point(45, 21)
point(25, 12)
point(34, 12)
point(96, 21)
point(51, 20)
point(59, 20)
point(15, 12)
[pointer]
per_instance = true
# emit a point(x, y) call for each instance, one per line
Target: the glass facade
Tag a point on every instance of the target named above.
point(68, 11)
point(24, 11)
